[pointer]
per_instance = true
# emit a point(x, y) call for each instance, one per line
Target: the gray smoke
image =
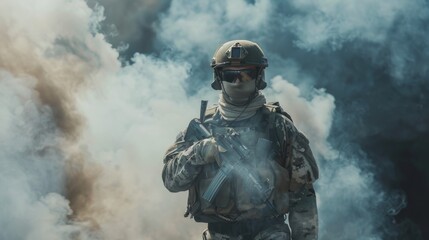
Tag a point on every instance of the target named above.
point(130, 25)
point(83, 138)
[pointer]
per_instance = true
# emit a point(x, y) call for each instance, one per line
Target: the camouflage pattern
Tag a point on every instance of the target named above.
point(292, 154)
point(274, 232)
point(178, 173)
point(303, 214)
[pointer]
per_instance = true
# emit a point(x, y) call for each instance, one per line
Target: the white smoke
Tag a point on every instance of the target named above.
point(116, 122)
point(198, 28)
point(31, 170)
point(312, 116)
point(335, 22)
point(131, 121)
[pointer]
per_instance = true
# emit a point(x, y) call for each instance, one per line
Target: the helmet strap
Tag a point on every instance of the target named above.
point(259, 77)
point(218, 78)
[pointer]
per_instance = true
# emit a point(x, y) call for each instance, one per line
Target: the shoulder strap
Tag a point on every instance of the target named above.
point(274, 107)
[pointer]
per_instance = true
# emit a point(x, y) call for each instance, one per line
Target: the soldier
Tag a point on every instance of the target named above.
point(248, 170)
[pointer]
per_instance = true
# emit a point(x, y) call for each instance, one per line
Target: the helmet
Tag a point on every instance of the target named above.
point(239, 53)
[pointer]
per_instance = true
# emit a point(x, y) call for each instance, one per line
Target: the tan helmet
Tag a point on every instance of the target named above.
point(239, 53)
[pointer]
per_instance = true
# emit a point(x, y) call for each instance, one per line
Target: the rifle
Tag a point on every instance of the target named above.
point(196, 131)
point(234, 160)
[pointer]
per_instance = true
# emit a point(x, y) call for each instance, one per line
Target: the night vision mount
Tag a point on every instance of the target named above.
point(236, 53)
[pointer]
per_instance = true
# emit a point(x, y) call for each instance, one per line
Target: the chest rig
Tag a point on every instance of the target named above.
point(237, 199)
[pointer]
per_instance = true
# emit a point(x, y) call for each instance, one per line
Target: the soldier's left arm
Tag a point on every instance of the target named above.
point(303, 217)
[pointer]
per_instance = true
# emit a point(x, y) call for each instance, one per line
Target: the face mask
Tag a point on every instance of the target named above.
point(238, 93)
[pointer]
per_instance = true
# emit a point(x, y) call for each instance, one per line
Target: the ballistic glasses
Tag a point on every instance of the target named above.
point(241, 74)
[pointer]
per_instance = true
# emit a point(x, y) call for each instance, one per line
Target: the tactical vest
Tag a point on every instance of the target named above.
point(236, 199)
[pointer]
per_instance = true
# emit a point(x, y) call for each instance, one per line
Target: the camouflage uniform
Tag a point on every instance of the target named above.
point(290, 170)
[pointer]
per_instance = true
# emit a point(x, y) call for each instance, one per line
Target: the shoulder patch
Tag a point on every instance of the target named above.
point(304, 167)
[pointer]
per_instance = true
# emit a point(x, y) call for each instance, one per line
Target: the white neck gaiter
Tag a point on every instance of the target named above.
point(231, 112)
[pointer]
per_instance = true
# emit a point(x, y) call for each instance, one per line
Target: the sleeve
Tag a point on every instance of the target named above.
point(303, 164)
point(303, 217)
point(178, 173)
point(299, 159)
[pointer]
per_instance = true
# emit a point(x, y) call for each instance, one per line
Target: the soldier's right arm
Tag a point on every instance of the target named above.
point(178, 173)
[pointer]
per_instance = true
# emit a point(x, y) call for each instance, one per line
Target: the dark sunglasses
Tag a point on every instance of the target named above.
point(231, 75)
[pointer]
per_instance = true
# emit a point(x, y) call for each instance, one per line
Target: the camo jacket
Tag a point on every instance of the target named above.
point(293, 153)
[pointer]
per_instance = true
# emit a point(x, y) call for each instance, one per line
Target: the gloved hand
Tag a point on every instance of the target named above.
point(206, 151)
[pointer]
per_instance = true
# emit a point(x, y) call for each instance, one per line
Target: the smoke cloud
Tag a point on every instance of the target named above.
point(83, 134)
point(130, 25)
